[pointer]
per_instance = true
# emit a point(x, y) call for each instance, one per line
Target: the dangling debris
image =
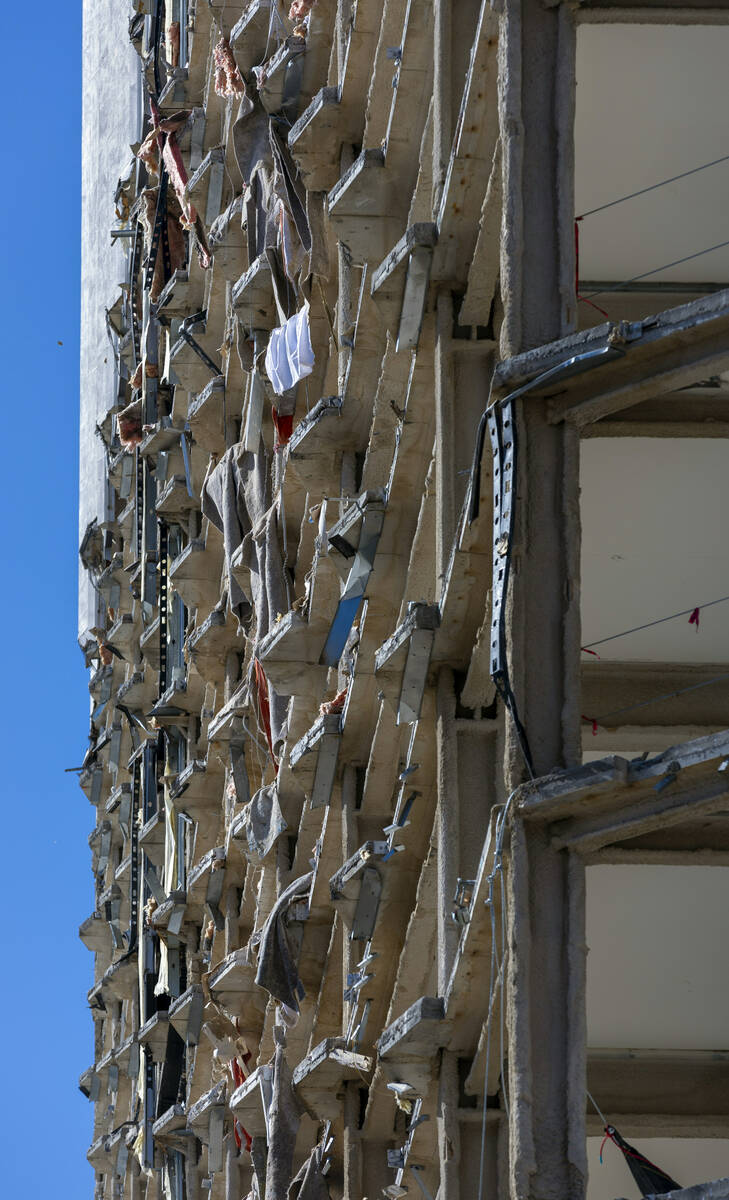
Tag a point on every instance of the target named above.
point(651, 1180)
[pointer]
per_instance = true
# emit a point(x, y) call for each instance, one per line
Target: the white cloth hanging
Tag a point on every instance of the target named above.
point(290, 356)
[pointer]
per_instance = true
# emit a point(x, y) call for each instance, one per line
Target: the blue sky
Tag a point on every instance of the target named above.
point(45, 882)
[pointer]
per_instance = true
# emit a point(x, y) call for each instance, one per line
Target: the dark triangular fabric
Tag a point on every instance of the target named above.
point(651, 1180)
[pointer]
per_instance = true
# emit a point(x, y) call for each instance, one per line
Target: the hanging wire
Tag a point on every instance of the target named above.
point(503, 987)
point(348, 369)
point(496, 979)
point(274, 14)
point(593, 1102)
point(642, 191)
point(492, 972)
point(649, 624)
point(694, 687)
point(618, 287)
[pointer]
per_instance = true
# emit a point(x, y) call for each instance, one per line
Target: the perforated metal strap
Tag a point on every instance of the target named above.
point(134, 866)
point(149, 1105)
point(156, 42)
point(133, 281)
point(166, 261)
point(500, 423)
point(502, 431)
point(159, 234)
point(139, 463)
point(163, 605)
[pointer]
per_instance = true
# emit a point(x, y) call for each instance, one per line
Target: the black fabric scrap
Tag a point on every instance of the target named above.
point(277, 971)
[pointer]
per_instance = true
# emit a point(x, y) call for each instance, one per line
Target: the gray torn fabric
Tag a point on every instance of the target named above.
point(262, 555)
point(262, 223)
point(241, 783)
point(250, 138)
point(309, 1183)
point(293, 189)
point(284, 1117)
point(277, 971)
point(236, 500)
point(264, 822)
point(232, 215)
point(283, 293)
point(233, 499)
point(316, 208)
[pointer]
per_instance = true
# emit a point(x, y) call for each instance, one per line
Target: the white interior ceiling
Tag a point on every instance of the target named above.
point(651, 103)
point(654, 542)
point(657, 974)
point(687, 1160)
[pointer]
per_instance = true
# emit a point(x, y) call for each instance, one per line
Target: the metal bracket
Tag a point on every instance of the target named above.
point(501, 431)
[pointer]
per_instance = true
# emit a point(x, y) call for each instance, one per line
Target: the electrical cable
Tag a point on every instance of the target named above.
point(649, 624)
point(618, 287)
point(653, 187)
point(595, 721)
point(502, 1006)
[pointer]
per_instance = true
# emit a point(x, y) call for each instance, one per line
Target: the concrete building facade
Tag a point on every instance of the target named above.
point(404, 594)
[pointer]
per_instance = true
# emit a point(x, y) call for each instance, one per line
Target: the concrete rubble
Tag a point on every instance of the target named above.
point(340, 807)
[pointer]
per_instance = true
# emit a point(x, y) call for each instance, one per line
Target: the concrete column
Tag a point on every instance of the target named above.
point(350, 842)
point(545, 997)
point(446, 824)
point(232, 1182)
point(536, 117)
point(133, 1175)
point(232, 914)
point(449, 1135)
point(258, 1161)
point(444, 438)
point(352, 1143)
point(232, 674)
point(192, 1176)
point(546, 1019)
point(344, 16)
point(442, 116)
point(345, 315)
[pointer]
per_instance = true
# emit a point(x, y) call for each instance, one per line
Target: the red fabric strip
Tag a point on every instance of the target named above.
point(264, 708)
point(582, 299)
point(239, 1078)
point(591, 721)
point(284, 426)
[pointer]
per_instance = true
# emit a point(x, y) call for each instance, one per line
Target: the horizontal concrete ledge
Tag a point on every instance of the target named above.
point(692, 412)
point(655, 1083)
point(676, 12)
point(668, 1125)
point(593, 786)
point(609, 686)
point(600, 371)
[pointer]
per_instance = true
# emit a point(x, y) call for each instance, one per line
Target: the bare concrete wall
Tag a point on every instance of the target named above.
point(110, 111)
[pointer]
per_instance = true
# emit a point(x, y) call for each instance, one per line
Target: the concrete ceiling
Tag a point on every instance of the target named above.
point(655, 980)
point(654, 542)
point(657, 976)
point(651, 102)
